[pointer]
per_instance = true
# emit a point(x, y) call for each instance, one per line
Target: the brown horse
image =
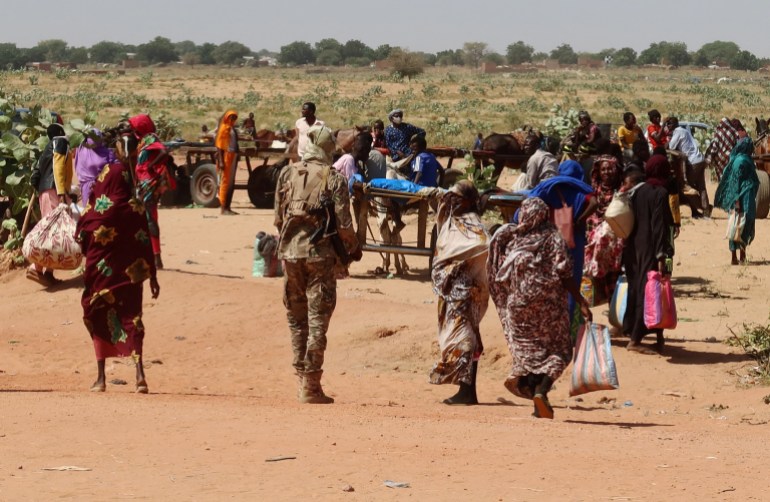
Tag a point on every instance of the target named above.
point(521, 142)
point(346, 137)
point(264, 137)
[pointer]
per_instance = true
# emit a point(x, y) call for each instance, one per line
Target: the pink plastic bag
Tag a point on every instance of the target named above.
point(659, 306)
point(564, 221)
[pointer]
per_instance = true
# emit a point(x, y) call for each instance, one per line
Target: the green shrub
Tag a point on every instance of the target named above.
point(755, 342)
point(406, 64)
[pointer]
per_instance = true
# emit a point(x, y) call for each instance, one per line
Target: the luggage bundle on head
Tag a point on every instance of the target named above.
point(51, 244)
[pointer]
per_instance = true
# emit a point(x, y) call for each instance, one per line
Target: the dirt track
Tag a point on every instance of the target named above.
point(222, 393)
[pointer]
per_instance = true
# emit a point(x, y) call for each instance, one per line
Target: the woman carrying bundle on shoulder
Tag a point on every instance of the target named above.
point(737, 194)
point(460, 282)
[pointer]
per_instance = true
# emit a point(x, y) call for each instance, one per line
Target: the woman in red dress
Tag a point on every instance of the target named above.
point(114, 234)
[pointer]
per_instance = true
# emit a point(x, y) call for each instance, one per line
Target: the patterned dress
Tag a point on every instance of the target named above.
point(460, 282)
point(526, 266)
point(604, 251)
point(114, 234)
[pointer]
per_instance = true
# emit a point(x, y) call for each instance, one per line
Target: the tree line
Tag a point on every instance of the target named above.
point(330, 52)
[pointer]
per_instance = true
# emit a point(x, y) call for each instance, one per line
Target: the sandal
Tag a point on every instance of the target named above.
point(543, 408)
point(516, 388)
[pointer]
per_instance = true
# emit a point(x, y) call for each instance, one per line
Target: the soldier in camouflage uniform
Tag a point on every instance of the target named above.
point(310, 285)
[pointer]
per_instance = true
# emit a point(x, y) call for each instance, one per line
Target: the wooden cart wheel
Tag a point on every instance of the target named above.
point(204, 187)
point(261, 186)
point(181, 195)
point(763, 194)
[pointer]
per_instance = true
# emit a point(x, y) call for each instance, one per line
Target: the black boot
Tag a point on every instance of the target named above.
point(467, 393)
point(543, 407)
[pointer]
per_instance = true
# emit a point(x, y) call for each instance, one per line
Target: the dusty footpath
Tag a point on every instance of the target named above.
point(222, 404)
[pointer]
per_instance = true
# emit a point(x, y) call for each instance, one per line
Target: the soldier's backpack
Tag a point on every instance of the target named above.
point(304, 190)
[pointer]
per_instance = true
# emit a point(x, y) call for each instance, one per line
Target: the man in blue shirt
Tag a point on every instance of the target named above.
point(681, 139)
point(398, 135)
point(425, 168)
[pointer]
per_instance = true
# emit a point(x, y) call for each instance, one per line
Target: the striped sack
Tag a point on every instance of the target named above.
point(593, 366)
point(618, 303)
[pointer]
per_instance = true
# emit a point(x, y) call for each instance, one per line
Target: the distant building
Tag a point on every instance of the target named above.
point(42, 66)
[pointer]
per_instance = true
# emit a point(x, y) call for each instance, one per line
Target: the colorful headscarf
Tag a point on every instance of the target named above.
point(142, 125)
point(533, 213)
point(596, 174)
point(224, 129)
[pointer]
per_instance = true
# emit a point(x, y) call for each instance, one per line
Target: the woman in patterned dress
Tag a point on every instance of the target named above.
point(115, 237)
point(603, 251)
point(530, 273)
point(460, 282)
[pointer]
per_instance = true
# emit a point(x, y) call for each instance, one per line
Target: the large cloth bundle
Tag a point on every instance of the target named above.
point(735, 225)
point(659, 306)
point(594, 367)
point(619, 214)
point(618, 303)
point(266, 262)
point(51, 244)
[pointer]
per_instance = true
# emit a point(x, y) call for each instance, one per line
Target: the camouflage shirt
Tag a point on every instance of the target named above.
point(295, 224)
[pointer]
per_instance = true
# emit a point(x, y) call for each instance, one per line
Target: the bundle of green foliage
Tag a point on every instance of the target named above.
point(755, 342)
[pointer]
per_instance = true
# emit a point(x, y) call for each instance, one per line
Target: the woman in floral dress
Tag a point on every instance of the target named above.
point(115, 237)
point(604, 251)
point(530, 273)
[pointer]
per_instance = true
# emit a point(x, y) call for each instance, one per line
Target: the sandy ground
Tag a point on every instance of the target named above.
point(684, 425)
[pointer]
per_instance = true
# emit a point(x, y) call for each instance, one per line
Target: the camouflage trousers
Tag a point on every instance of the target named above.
point(309, 295)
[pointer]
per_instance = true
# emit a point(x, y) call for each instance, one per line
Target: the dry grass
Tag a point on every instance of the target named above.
point(451, 103)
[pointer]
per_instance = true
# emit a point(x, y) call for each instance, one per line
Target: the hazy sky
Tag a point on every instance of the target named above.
point(587, 25)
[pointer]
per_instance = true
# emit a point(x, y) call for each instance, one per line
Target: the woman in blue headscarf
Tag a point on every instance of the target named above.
point(570, 189)
point(737, 191)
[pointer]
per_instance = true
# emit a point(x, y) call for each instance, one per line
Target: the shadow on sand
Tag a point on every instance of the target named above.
point(621, 425)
